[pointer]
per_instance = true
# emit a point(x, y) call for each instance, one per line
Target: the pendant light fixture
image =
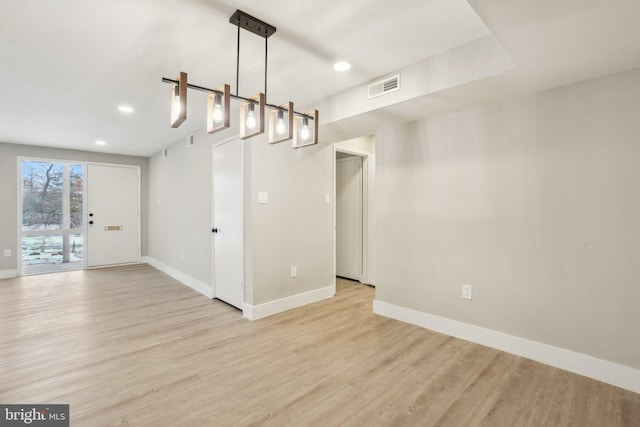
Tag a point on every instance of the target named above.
point(218, 109)
point(252, 116)
point(305, 130)
point(284, 122)
point(179, 100)
point(281, 124)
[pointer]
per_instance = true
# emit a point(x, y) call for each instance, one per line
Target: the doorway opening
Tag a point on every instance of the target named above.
point(349, 216)
point(228, 222)
point(354, 179)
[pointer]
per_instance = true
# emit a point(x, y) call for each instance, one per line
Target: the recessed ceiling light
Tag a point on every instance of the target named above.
point(125, 109)
point(341, 66)
point(100, 142)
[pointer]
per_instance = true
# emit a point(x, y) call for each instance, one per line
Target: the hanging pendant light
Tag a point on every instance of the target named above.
point(218, 105)
point(252, 116)
point(217, 109)
point(179, 101)
point(282, 125)
point(250, 121)
point(306, 130)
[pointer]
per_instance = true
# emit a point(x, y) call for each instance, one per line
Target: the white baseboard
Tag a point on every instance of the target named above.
point(195, 284)
point(8, 274)
point(582, 364)
point(255, 312)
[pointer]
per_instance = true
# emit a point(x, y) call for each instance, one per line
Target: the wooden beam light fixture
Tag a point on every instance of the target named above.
point(179, 100)
point(284, 123)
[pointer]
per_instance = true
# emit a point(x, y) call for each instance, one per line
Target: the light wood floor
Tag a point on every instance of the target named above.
point(130, 346)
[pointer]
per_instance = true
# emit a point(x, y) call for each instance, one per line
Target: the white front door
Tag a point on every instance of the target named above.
point(113, 207)
point(349, 217)
point(228, 223)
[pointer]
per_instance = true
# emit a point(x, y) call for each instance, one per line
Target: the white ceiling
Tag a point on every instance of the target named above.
point(66, 65)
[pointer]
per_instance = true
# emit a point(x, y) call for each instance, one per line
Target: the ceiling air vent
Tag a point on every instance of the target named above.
point(385, 86)
point(191, 140)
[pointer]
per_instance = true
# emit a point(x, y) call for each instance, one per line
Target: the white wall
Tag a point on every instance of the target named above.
point(294, 229)
point(470, 62)
point(533, 202)
point(180, 208)
point(363, 144)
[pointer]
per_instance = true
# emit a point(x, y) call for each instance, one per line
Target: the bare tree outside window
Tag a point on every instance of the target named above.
point(76, 175)
point(42, 196)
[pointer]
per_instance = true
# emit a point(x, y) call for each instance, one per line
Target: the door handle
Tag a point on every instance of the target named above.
point(214, 230)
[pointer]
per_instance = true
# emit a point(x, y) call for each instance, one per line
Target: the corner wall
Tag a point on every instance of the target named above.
point(294, 229)
point(533, 202)
point(180, 201)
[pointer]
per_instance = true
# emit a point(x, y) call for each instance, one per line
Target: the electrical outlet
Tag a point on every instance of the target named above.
point(466, 291)
point(294, 271)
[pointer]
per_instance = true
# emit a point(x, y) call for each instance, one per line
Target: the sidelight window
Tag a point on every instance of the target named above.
point(52, 231)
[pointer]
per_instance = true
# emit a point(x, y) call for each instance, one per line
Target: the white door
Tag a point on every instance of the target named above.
point(349, 217)
point(113, 223)
point(228, 223)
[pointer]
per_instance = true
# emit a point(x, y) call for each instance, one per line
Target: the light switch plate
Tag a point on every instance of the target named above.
point(327, 199)
point(263, 197)
point(7, 252)
point(466, 291)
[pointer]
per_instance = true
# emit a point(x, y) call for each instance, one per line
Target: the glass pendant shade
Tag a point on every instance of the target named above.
point(305, 130)
point(218, 106)
point(252, 117)
point(280, 126)
point(217, 109)
point(179, 101)
point(281, 123)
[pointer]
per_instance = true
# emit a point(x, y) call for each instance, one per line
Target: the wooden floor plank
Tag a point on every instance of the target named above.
point(129, 346)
